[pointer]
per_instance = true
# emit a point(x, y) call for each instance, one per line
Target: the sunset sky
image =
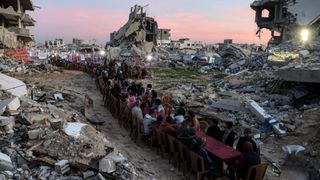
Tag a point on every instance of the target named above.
point(209, 21)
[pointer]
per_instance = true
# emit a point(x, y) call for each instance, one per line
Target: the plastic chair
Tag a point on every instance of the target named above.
point(185, 160)
point(260, 171)
point(154, 138)
point(122, 116)
point(162, 142)
point(197, 165)
point(140, 131)
point(127, 117)
point(203, 126)
point(134, 128)
point(174, 150)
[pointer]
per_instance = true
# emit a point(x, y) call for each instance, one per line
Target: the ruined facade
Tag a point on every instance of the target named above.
point(57, 43)
point(140, 30)
point(274, 15)
point(13, 23)
point(163, 37)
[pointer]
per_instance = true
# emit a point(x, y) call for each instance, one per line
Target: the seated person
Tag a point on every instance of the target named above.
point(214, 131)
point(192, 120)
point(186, 135)
point(228, 135)
point(247, 137)
point(147, 121)
point(131, 101)
point(198, 148)
point(157, 106)
point(248, 158)
point(169, 126)
point(136, 110)
point(179, 117)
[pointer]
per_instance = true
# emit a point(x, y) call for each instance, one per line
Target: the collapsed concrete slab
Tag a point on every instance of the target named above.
point(12, 85)
point(300, 75)
point(228, 104)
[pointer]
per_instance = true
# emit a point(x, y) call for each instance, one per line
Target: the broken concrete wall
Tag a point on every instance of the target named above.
point(12, 85)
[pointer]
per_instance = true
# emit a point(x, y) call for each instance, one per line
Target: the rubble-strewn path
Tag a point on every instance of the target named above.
point(148, 164)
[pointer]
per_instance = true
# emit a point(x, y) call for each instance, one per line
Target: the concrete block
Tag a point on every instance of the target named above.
point(231, 105)
point(100, 177)
point(5, 162)
point(258, 111)
point(12, 85)
point(304, 53)
point(35, 134)
point(4, 120)
point(107, 165)
point(56, 123)
point(62, 166)
point(116, 158)
point(10, 104)
point(34, 118)
point(87, 174)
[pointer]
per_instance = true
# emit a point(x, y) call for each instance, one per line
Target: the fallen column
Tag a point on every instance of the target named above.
point(266, 119)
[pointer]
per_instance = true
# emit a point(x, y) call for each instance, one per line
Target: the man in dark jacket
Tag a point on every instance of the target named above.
point(249, 158)
point(228, 134)
point(247, 137)
point(214, 131)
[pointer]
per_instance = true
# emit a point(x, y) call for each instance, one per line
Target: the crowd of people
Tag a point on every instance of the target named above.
point(156, 111)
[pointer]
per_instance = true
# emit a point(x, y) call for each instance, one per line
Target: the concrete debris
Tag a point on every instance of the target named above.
point(232, 105)
point(293, 149)
point(62, 166)
point(12, 85)
point(107, 165)
point(5, 162)
point(58, 96)
point(264, 117)
point(11, 104)
point(53, 134)
point(74, 129)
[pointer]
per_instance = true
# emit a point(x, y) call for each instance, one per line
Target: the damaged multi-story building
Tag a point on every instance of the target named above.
point(284, 17)
point(274, 15)
point(140, 30)
point(163, 37)
point(13, 23)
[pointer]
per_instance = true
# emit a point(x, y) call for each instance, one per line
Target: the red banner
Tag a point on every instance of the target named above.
point(19, 54)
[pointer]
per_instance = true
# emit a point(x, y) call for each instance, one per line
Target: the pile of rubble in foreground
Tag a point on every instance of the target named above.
point(40, 140)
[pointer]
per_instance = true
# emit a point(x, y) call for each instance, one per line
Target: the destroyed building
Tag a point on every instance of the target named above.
point(140, 31)
point(163, 37)
point(83, 42)
point(57, 43)
point(284, 17)
point(14, 22)
point(273, 15)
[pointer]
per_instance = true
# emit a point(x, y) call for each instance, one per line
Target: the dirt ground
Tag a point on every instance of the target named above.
point(148, 164)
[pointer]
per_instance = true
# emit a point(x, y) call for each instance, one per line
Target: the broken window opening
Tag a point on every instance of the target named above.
point(149, 38)
point(265, 13)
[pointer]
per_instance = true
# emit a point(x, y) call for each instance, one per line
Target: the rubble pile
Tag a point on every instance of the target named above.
point(249, 91)
point(299, 55)
point(43, 137)
point(8, 64)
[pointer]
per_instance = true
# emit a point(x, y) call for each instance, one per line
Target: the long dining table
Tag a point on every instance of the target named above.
point(219, 149)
